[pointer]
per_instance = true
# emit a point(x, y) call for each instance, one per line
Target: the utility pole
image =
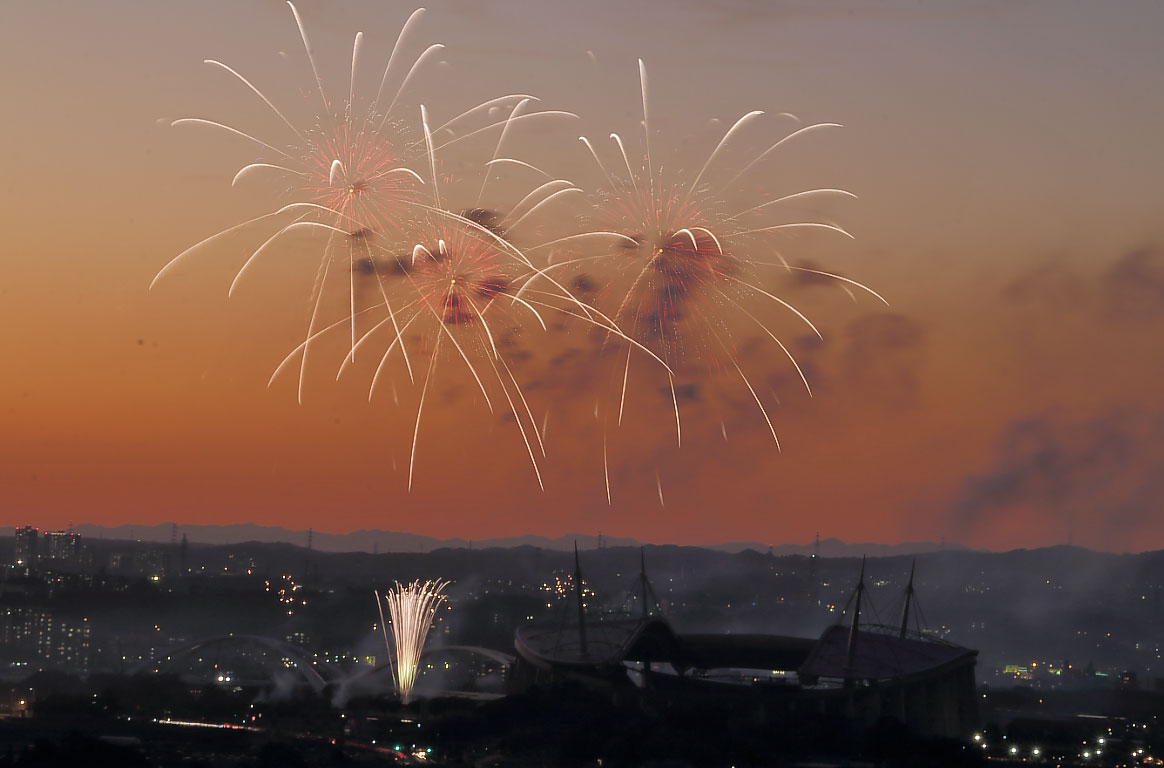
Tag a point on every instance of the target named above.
point(581, 612)
point(813, 575)
point(643, 586)
point(307, 559)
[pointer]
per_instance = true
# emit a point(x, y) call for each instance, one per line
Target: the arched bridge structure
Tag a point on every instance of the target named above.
point(275, 655)
point(500, 657)
point(279, 656)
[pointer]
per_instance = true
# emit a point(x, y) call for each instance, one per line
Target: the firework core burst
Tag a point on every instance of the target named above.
point(458, 277)
point(357, 172)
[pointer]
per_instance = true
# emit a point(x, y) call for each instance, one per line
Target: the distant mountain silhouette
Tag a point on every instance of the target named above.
point(833, 547)
point(395, 541)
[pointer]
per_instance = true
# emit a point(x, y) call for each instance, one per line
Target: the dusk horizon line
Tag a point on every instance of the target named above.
point(377, 539)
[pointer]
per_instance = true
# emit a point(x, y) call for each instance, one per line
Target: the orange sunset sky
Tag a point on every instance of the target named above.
point(1006, 156)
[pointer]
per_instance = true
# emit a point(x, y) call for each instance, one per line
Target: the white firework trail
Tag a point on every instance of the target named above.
point(411, 609)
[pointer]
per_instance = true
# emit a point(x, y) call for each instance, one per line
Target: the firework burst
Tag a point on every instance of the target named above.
point(411, 609)
point(345, 170)
point(461, 296)
point(347, 174)
point(453, 289)
point(685, 282)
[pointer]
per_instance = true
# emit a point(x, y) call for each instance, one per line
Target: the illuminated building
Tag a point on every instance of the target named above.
point(26, 547)
point(62, 547)
point(36, 638)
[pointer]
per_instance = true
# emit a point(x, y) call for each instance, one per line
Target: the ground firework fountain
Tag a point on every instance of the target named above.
point(411, 609)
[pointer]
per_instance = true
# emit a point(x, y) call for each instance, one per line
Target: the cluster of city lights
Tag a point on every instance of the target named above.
point(286, 592)
point(562, 587)
point(1088, 751)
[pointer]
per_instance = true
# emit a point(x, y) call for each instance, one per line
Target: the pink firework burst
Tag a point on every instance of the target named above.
point(691, 275)
point(347, 175)
point(671, 260)
point(459, 299)
point(459, 274)
point(461, 294)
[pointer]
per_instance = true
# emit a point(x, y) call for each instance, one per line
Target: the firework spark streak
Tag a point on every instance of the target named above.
point(411, 609)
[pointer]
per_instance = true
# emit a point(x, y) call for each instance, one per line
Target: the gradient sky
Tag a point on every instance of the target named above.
point(1007, 157)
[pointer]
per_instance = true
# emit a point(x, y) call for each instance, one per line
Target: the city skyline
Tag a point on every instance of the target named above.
point(1004, 158)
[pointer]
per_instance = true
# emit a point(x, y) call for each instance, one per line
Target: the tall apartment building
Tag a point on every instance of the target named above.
point(62, 547)
point(34, 636)
point(27, 541)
